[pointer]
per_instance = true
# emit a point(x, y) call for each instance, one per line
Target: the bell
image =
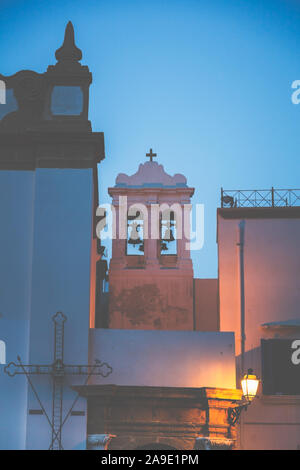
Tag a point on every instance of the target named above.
point(134, 241)
point(168, 236)
point(134, 238)
point(133, 217)
point(163, 246)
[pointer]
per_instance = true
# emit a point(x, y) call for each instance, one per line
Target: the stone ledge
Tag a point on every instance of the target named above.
point(30, 150)
point(181, 393)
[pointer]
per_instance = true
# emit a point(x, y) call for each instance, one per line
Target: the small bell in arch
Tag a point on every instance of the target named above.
point(134, 241)
point(163, 246)
point(134, 238)
point(168, 235)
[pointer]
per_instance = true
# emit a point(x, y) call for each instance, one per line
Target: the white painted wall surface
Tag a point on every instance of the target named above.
point(60, 282)
point(16, 237)
point(45, 245)
point(165, 358)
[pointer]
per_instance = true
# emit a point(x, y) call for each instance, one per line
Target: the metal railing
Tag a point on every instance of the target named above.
point(260, 197)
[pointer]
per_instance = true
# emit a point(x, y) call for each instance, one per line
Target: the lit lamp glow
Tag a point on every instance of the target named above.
point(249, 386)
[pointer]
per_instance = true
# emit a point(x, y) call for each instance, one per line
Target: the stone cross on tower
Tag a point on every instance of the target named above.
point(151, 155)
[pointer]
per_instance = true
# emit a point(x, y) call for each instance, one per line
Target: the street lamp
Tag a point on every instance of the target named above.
point(249, 386)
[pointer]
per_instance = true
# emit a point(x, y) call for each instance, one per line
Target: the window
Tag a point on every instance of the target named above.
point(168, 236)
point(67, 100)
point(280, 376)
point(135, 235)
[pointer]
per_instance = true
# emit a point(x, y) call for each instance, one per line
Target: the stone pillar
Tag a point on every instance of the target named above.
point(119, 228)
point(151, 244)
point(99, 441)
point(184, 257)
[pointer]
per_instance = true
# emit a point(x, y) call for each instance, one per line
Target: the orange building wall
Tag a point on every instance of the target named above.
point(272, 272)
point(272, 294)
point(141, 300)
point(206, 311)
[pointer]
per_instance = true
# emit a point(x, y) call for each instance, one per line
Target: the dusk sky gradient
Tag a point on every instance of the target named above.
point(206, 84)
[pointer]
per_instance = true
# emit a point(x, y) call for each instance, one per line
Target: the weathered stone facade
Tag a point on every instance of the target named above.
point(161, 417)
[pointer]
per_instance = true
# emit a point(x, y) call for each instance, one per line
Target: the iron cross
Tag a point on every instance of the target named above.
point(151, 155)
point(58, 370)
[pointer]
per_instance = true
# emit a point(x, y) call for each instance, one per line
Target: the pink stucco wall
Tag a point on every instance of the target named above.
point(272, 274)
point(272, 294)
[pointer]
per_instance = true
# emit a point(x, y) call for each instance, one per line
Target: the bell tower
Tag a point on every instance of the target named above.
point(151, 272)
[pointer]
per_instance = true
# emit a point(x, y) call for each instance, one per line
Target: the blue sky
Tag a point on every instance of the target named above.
point(206, 84)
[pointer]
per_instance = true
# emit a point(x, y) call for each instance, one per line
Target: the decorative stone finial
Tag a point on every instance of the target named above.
point(68, 52)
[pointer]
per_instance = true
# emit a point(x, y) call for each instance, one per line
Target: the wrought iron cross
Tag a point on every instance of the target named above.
point(151, 155)
point(58, 370)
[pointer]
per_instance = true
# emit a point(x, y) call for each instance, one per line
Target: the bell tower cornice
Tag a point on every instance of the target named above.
point(44, 120)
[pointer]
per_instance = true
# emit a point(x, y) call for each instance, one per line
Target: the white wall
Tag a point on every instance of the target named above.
point(16, 237)
point(165, 358)
point(46, 247)
point(60, 282)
